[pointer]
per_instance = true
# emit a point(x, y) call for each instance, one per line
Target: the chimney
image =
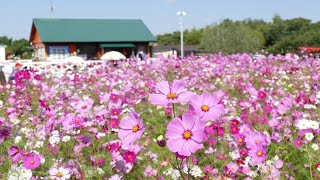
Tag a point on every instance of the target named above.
point(2, 53)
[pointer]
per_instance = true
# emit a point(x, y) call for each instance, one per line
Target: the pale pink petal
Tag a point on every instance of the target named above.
point(196, 101)
point(129, 139)
point(214, 112)
point(198, 136)
point(185, 149)
point(188, 121)
point(163, 87)
point(194, 146)
point(206, 98)
point(124, 133)
point(185, 96)
point(139, 133)
point(134, 118)
point(178, 87)
point(175, 144)
point(126, 124)
point(173, 134)
point(176, 125)
point(158, 99)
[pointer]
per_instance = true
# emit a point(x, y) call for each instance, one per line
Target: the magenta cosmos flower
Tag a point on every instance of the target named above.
point(176, 93)
point(131, 128)
point(31, 161)
point(207, 106)
point(185, 135)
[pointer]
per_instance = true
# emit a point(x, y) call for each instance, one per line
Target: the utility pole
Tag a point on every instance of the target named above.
point(51, 9)
point(181, 14)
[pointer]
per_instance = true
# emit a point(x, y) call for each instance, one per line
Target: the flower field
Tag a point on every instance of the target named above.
point(209, 117)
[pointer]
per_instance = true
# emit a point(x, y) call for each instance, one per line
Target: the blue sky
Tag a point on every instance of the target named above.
point(159, 15)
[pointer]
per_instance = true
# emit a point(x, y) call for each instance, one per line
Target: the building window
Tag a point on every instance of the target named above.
point(59, 52)
point(87, 51)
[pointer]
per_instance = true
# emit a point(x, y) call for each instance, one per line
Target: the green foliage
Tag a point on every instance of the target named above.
point(18, 47)
point(250, 35)
point(229, 37)
point(191, 37)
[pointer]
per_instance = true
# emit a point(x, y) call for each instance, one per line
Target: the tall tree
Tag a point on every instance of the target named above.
point(231, 37)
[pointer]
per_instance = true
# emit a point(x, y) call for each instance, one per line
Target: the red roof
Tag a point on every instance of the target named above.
point(309, 48)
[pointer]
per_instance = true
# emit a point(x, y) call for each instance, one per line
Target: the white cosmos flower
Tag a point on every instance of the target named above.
point(303, 124)
point(61, 173)
point(315, 147)
point(314, 124)
point(66, 138)
point(17, 139)
point(309, 136)
point(54, 140)
point(20, 173)
point(196, 171)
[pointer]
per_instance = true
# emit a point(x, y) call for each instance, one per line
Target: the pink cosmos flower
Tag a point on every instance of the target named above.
point(14, 153)
point(31, 161)
point(297, 142)
point(233, 167)
point(278, 164)
point(131, 128)
point(149, 172)
point(185, 135)
point(113, 123)
point(115, 177)
point(116, 111)
point(256, 139)
point(83, 107)
point(207, 106)
point(258, 155)
point(77, 122)
point(176, 93)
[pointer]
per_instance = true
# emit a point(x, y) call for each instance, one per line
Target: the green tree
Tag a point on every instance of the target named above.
point(18, 47)
point(231, 37)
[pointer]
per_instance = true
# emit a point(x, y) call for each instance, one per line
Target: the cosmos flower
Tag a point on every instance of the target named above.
point(207, 106)
point(176, 93)
point(258, 155)
point(14, 153)
point(129, 157)
point(149, 172)
point(297, 142)
point(31, 161)
point(131, 128)
point(233, 167)
point(185, 135)
point(59, 173)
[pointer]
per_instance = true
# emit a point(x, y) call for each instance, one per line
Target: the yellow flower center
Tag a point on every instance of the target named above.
point(187, 134)
point(259, 153)
point(205, 108)
point(76, 121)
point(135, 128)
point(240, 140)
point(59, 174)
point(258, 142)
point(172, 96)
point(31, 162)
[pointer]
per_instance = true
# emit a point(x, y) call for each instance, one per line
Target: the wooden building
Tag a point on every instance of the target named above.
point(89, 38)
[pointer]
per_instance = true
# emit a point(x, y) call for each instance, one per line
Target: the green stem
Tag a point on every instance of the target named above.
point(179, 168)
point(173, 111)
